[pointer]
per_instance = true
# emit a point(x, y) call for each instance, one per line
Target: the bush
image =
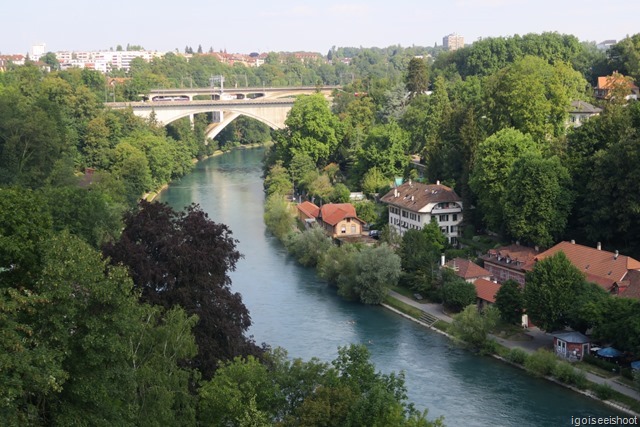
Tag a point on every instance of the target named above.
point(607, 366)
point(457, 293)
point(563, 371)
point(603, 391)
point(517, 355)
point(541, 363)
point(489, 347)
point(627, 373)
point(580, 380)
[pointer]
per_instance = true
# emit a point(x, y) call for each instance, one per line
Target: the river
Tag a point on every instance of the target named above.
point(291, 308)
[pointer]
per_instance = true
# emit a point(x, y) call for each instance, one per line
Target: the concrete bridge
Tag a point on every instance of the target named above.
point(269, 106)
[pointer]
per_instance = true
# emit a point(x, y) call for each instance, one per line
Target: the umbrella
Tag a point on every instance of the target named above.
point(635, 365)
point(609, 352)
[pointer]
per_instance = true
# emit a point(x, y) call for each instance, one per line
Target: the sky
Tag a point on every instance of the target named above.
point(288, 25)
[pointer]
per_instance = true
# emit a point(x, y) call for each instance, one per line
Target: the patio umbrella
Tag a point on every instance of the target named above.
point(609, 352)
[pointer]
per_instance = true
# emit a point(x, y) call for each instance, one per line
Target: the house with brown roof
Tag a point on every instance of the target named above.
point(608, 83)
point(507, 262)
point(413, 204)
point(615, 273)
point(469, 271)
point(486, 291)
point(337, 219)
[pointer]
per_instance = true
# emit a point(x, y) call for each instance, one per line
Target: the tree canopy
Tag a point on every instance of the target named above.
point(156, 244)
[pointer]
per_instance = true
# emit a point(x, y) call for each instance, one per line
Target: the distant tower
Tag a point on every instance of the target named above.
point(37, 50)
point(453, 41)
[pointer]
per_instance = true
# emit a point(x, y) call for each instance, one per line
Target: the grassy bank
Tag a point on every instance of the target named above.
point(596, 391)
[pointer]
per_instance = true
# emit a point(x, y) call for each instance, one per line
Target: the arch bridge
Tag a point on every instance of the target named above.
point(269, 106)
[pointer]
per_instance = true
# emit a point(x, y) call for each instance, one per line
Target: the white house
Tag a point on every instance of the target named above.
point(580, 111)
point(412, 205)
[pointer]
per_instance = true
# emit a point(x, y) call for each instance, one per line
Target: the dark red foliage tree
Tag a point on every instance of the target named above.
point(183, 258)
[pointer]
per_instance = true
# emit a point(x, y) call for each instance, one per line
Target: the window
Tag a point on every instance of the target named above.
point(353, 229)
point(444, 217)
point(344, 229)
point(455, 217)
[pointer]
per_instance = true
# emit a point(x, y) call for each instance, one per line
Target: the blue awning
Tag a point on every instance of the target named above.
point(635, 365)
point(609, 352)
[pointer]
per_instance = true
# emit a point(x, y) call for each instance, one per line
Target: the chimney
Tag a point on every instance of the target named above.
point(537, 249)
point(438, 182)
point(410, 184)
point(573, 242)
point(599, 246)
point(615, 256)
point(395, 192)
point(442, 259)
point(412, 198)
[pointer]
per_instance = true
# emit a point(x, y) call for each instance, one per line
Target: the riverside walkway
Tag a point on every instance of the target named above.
point(539, 339)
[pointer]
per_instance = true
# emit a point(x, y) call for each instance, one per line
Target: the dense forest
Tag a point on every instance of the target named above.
point(102, 323)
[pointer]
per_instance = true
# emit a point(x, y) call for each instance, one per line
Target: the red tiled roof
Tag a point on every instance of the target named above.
point(520, 255)
point(333, 213)
point(602, 267)
point(486, 290)
point(309, 209)
point(415, 195)
point(632, 290)
point(467, 269)
point(607, 82)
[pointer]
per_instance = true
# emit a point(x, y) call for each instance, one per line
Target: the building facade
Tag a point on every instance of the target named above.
point(508, 262)
point(413, 204)
point(453, 41)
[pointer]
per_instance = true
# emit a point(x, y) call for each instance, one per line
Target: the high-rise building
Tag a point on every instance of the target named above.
point(453, 41)
point(37, 50)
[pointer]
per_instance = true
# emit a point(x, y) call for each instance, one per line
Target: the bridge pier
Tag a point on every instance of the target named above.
point(192, 121)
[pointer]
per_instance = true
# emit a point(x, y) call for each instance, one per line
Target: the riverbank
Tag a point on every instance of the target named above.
point(539, 340)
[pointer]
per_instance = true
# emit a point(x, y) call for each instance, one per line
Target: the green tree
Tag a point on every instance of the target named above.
point(96, 383)
point(494, 161)
point(32, 138)
point(613, 190)
point(132, 167)
point(587, 310)
point(278, 181)
point(620, 324)
point(377, 270)
point(241, 389)
point(300, 166)
point(473, 326)
point(420, 256)
point(366, 211)
point(311, 129)
point(417, 79)
point(456, 292)
point(374, 180)
point(550, 291)
point(309, 246)
point(510, 301)
point(51, 60)
point(537, 199)
point(337, 263)
point(385, 148)
point(533, 96)
point(278, 216)
point(340, 194)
